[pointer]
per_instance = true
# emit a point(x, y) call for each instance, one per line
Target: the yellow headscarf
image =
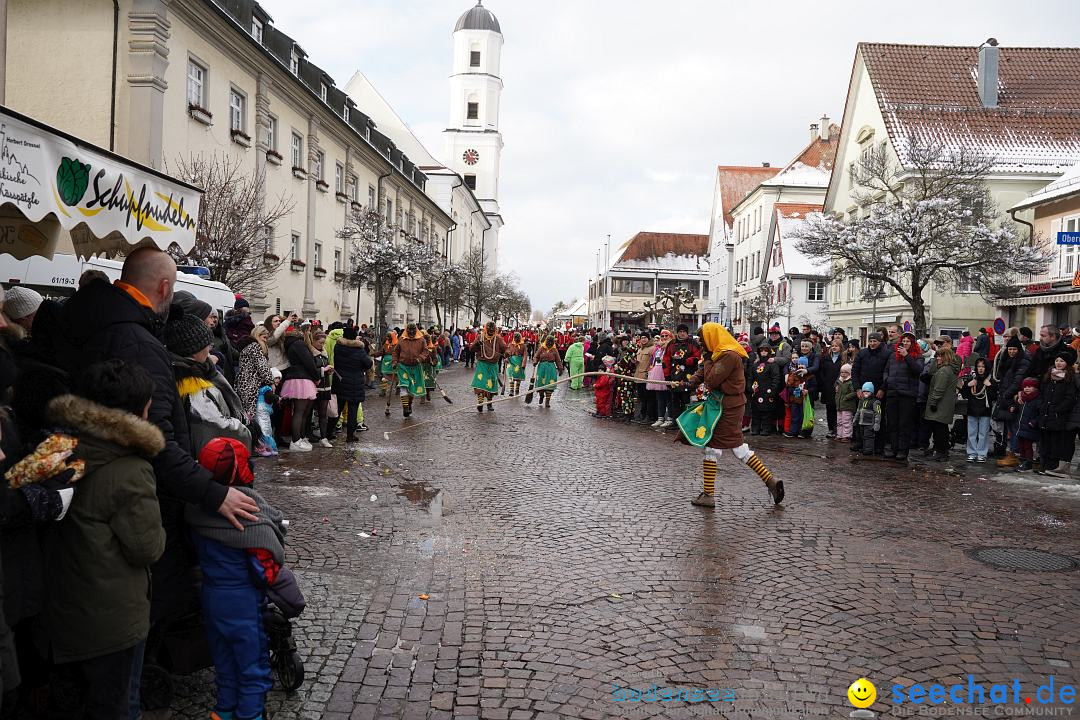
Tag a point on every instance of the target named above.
point(717, 340)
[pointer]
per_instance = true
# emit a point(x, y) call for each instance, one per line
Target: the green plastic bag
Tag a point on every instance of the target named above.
point(807, 415)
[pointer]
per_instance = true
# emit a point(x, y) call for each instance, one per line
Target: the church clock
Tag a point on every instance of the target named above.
point(470, 156)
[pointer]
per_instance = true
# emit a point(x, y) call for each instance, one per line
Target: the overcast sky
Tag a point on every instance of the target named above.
point(616, 112)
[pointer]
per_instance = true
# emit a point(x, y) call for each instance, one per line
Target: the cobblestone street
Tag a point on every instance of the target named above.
point(561, 559)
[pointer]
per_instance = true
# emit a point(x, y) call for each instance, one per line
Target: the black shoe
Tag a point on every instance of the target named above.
point(890, 454)
point(790, 435)
point(902, 456)
point(1024, 466)
point(940, 457)
point(406, 413)
point(479, 408)
point(766, 433)
point(491, 408)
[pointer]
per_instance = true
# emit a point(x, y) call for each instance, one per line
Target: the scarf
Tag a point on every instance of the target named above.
point(718, 340)
point(1057, 374)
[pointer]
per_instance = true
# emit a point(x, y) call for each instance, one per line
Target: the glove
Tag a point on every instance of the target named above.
point(50, 499)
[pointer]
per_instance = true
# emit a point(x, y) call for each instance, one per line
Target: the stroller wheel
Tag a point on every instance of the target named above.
point(289, 669)
point(155, 692)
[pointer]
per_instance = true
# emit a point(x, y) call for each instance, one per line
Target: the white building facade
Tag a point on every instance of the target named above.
point(206, 78)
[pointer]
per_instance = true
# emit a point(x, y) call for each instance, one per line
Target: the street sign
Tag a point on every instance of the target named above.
point(999, 326)
point(1068, 238)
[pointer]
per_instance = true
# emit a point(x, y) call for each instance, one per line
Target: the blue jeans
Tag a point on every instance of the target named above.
point(134, 703)
point(978, 435)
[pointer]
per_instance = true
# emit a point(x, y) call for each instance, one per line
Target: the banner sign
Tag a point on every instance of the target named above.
point(103, 200)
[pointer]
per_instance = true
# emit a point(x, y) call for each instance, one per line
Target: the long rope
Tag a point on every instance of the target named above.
point(443, 416)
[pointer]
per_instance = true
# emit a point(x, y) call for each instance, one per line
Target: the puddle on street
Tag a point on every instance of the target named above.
point(422, 495)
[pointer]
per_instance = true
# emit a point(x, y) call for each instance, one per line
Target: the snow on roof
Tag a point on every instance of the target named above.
point(581, 308)
point(669, 262)
point(799, 175)
point(664, 251)
point(789, 217)
point(388, 122)
point(1065, 186)
point(929, 93)
point(736, 182)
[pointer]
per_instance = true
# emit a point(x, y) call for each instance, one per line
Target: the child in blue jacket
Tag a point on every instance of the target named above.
point(239, 569)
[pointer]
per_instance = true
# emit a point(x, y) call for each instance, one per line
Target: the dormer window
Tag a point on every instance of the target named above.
point(322, 91)
point(345, 113)
point(257, 30)
point(294, 63)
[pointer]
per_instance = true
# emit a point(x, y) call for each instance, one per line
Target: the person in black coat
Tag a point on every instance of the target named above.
point(982, 344)
point(869, 367)
point(829, 364)
point(1050, 345)
point(351, 363)
point(124, 321)
point(902, 373)
point(1057, 442)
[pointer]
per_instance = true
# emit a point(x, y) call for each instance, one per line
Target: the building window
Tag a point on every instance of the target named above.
point(671, 285)
point(236, 110)
point(196, 84)
point(345, 114)
point(297, 151)
point(628, 286)
point(967, 283)
point(318, 254)
point(322, 91)
point(354, 190)
point(815, 291)
point(294, 63)
point(851, 288)
point(268, 240)
point(294, 247)
point(473, 112)
point(339, 178)
point(271, 133)
point(256, 29)
point(337, 261)
point(470, 182)
point(320, 160)
point(389, 210)
point(370, 197)
point(1067, 254)
point(474, 58)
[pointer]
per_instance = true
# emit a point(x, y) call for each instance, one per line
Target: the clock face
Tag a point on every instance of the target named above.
point(470, 157)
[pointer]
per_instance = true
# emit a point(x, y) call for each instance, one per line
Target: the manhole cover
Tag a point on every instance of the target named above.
point(1007, 558)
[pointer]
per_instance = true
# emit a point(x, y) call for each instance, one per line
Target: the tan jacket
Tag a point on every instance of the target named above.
point(410, 351)
point(726, 375)
point(644, 360)
point(552, 355)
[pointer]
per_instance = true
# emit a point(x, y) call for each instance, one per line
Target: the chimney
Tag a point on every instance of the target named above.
point(988, 73)
point(824, 127)
point(764, 164)
point(813, 132)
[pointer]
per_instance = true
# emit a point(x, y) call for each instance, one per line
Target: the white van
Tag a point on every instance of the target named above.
point(59, 278)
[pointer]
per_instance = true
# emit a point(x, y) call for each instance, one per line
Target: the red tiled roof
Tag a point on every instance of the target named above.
point(821, 153)
point(929, 92)
point(647, 245)
point(736, 182)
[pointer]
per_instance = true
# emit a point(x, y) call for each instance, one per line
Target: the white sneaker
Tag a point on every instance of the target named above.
point(658, 423)
point(667, 423)
point(325, 443)
point(300, 446)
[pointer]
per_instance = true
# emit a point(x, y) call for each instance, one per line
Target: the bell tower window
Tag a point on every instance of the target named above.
point(470, 182)
point(473, 111)
point(474, 58)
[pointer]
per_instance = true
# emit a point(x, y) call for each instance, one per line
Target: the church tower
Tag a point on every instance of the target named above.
point(473, 141)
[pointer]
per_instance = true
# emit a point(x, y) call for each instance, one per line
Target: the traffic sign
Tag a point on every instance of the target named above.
point(999, 326)
point(1068, 238)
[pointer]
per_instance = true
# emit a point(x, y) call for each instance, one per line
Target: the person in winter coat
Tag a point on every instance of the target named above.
point(681, 358)
point(646, 397)
point(982, 344)
point(980, 392)
point(868, 418)
point(1011, 367)
point(604, 389)
point(869, 366)
point(963, 348)
point(299, 388)
point(941, 400)
point(213, 408)
point(265, 444)
point(575, 361)
point(98, 608)
point(829, 364)
point(254, 371)
point(1028, 405)
point(764, 381)
point(1057, 441)
point(277, 327)
point(1050, 345)
point(239, 570)
point(794, 397)
point(352, 363)
point(902, 371)
point(846, 403)
point(238, 323)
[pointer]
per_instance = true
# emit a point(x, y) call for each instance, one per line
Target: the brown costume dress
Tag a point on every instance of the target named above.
point(725, 375)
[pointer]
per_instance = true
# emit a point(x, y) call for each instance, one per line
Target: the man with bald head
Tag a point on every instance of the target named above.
point(123, 321)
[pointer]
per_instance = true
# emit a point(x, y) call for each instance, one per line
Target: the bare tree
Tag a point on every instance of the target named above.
point(383, 260)
point(233, 238)
point(477, 285)
point(765, 305)
point(932, 221)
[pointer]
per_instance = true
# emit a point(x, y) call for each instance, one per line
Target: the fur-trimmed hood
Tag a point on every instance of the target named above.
point(109, 425)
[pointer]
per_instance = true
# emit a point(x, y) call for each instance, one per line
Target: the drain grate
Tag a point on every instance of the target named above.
point(1009, 558)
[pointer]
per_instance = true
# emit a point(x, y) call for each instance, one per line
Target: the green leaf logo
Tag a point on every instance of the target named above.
point(72, 177)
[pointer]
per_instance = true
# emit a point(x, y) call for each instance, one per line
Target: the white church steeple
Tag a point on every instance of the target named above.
point(473, 140)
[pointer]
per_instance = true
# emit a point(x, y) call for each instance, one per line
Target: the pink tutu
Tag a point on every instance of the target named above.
point(298, 390)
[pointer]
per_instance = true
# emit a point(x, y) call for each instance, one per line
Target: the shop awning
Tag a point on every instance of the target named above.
point(1039, 299)
point(50, 180)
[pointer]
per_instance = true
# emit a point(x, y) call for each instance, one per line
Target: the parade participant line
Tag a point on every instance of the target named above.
point(673, 383)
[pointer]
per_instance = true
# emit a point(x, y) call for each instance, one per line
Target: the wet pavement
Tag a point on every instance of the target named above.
point(562, 568)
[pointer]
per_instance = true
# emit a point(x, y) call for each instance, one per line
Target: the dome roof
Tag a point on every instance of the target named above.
point(478, 18)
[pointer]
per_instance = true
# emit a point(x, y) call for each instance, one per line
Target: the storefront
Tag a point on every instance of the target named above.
point(1039, 304)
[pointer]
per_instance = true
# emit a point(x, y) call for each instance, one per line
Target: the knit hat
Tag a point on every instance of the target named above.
point(845, 368)
point(1029, 382)
point(682, 328)
point(802, 362)
point(873, 336)
point(608, 360)
point(192, 305)
point(1025, 332)
point(275, 373)
point(21, 301)
point(241, 303)
point(186, 335)
point(1015, 342)
point(228, 461)
point(776, 329)
point(868, 387)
